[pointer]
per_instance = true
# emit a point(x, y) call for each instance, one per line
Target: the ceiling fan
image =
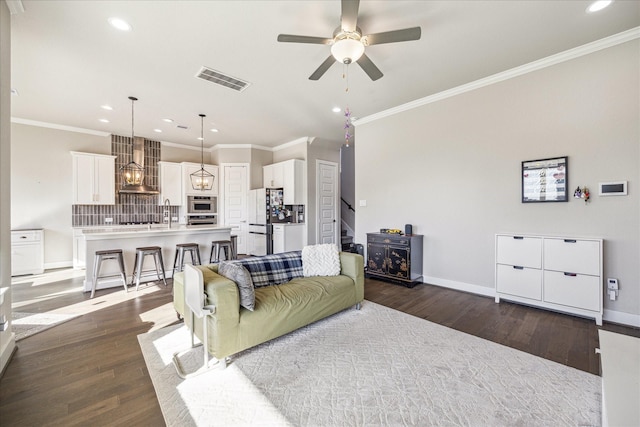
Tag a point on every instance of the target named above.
point(348, 43)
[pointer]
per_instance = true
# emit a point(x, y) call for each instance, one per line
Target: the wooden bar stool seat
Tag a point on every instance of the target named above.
point(139, 273)
point(181, 249)
point(110, 254)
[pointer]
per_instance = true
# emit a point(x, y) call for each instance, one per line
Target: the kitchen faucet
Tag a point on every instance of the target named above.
point(167, 212)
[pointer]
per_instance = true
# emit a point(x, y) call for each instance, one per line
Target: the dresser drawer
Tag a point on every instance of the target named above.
point(572, 256)
point(520, 251)
point(394, 239)
point(573, 290)
point(25, 236)
point(519, 281)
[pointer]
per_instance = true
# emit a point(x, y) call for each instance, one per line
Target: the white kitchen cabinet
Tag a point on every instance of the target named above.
point(289, 175)
point(188, 169)
point(93, 179)
point(288, 237)
point(557, 273)
point(171, 187)
point(27, 252)
point(79, 249)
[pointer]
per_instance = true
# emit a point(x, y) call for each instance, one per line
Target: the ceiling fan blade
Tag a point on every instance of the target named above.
point(289, 38)
point(349, 18)
point(322, 68)
point(394, 36)
point(369, 67)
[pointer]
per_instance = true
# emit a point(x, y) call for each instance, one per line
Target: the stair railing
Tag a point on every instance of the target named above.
point(348, 204)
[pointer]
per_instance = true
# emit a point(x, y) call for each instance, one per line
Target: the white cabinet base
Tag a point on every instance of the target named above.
point(568, 280)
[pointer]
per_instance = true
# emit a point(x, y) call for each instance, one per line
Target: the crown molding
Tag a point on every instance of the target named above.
point(304, 140)
point(15, 6)
point(58, 127)
point(549, 61)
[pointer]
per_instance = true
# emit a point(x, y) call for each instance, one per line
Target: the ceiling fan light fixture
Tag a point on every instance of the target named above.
point(347, 50)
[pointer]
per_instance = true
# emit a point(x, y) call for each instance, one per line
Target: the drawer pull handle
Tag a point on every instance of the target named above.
point(23, 237)
point(518, 267)
point(570, 240)
point(518, 237)
point(570, 274)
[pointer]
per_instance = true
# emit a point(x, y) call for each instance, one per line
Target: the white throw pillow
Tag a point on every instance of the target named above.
point(320, 260)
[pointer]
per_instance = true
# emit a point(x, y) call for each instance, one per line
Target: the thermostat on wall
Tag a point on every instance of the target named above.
point(618, 188)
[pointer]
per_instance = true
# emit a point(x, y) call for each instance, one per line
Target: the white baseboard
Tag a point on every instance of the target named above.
point(7, 351)
point(618, 317)
point(622, 318)
point(59, 264)
point(461, 286)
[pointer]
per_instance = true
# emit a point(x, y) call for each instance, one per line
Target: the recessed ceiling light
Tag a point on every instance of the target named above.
point(104, 120)
point(598, 5)
point(336, 109)
point(106, 107)
point(214, 130)
point(158, 130)
point(200, 139)
point(120, 24)
point(168, 120)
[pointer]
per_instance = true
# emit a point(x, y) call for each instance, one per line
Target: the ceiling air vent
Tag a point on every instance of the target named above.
point(217, 77)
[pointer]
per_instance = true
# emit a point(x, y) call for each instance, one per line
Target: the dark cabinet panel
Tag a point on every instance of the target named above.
point(395, 257)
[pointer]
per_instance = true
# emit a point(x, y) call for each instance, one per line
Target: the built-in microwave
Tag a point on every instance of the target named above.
point(198, 205)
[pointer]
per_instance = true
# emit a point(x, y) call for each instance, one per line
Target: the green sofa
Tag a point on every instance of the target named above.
point(279, 309)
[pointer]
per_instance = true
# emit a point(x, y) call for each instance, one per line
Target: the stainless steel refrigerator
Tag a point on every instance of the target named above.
point(266, 207)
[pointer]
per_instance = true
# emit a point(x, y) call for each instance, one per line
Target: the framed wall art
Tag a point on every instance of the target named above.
point(545, 180)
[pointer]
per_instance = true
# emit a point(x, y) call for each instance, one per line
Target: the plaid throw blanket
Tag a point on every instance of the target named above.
point(273, 269)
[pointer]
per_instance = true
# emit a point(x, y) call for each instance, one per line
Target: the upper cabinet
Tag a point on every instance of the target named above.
point(188, 169)
point(291, 177)
point(170, 178)
point(93, 179)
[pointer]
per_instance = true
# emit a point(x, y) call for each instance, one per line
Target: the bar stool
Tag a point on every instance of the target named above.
point(111, 254)
point(234, 246)
point(181, 249)
point(156, 252)
point(217, 246)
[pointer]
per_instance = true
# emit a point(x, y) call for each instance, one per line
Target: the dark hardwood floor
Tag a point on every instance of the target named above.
point(90, 370)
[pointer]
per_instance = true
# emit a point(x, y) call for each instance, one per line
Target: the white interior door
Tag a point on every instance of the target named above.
point(327, 201)
point(236, 190)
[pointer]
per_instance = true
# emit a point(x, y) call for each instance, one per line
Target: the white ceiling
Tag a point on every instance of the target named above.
point(67, 60)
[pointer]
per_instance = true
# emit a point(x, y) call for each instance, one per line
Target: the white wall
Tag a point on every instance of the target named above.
point(452, 169)
point(7, 337)
point(41, 188)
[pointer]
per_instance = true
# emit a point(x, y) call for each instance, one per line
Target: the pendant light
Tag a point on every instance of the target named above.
point(132, 173)
point(202, 179)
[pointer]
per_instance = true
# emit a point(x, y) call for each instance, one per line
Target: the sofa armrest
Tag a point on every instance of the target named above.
point(223, 294)
point(352, 265)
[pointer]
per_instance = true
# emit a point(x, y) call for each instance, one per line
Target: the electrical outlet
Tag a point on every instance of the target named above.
point(612, 284)
point(108, 220)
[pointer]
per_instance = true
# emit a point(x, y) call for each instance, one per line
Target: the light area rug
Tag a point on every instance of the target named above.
point(26, 324)
point(370, 367)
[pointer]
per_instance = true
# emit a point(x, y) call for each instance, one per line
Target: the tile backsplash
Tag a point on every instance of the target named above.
point(128, 207)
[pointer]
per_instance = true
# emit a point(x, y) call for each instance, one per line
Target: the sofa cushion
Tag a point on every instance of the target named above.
point(320, 260)
point(236, 272)
point(273, 269)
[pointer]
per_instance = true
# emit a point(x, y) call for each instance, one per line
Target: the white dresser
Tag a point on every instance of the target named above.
point(27, 252)
point(557, 273)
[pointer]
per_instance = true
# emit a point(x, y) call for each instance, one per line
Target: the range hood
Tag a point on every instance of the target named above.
point(138, 157)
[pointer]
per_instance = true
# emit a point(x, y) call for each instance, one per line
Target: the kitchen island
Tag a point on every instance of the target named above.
point(129, 238)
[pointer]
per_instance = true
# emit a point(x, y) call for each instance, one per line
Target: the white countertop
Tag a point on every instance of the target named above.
point(125, 231)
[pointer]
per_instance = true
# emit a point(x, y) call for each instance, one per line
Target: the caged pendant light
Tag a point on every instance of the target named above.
point(132, 173)
point(202, 179)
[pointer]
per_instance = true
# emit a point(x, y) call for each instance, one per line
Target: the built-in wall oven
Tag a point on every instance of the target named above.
point(202, 210)
point(202, 205)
